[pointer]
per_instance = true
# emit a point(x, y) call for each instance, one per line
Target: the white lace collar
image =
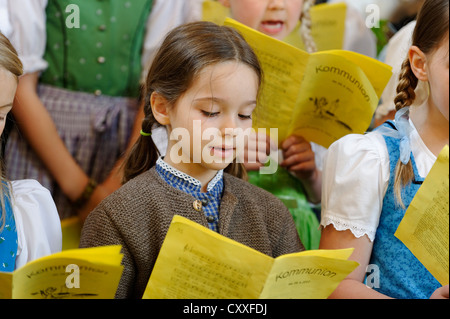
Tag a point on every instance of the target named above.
point(191, 180)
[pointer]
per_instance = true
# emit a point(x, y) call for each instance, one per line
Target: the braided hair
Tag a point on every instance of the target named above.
point(431, 28)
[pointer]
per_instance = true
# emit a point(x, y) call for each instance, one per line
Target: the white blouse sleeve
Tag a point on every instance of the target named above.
point(37, 221)
point(355, 179)
point(166, 15)
point(29, 32)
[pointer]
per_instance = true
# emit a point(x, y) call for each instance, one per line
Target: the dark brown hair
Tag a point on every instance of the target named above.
point(431, 29)
point(186, 51)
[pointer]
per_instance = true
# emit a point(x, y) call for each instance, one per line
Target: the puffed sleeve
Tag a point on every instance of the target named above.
point(29, 32)
point(37, 221)
point(355, 179)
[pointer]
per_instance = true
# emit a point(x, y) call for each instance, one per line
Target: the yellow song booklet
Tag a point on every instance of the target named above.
point(197, 263)
point(88, 273)
point(327, 23)
point(321, 96)
point(425, 227)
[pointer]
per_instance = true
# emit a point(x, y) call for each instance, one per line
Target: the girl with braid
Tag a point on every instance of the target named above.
point(204, 77)
point(370, 180)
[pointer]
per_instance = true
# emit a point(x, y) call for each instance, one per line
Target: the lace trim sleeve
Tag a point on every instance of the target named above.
point(341, 225)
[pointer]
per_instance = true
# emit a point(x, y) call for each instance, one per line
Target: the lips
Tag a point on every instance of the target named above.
point(272, 27)
point(223, 150)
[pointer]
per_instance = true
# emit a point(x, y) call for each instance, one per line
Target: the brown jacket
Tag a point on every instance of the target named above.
point(138, 215)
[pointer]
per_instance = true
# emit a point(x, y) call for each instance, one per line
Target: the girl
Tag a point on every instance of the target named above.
point(204, 81)
point(298, 179)
point(29, 222)
point(369, 180)
point(78, 101)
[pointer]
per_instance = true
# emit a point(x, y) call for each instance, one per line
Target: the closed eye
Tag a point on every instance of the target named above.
point(245, 117)
point(209, 114)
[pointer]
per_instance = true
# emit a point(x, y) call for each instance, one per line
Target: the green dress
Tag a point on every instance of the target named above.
point(291, 192)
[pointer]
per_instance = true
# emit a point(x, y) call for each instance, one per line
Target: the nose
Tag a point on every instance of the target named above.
point(276, 4)
point(228, 126)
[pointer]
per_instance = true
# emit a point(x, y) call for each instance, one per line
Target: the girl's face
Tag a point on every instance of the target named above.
point(206, 119)
point(275, 18)
point(438, 77)
point(8, 84)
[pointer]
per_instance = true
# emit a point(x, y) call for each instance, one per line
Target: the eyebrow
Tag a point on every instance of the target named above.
point(219, 100)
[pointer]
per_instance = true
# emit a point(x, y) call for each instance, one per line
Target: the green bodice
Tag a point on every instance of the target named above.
point(102, 53)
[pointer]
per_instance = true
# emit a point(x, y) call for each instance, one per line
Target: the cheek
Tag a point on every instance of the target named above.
point(294, 10)
point(250, 15)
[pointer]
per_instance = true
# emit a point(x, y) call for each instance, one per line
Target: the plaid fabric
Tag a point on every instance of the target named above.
point(95, 130)
point(210, 200)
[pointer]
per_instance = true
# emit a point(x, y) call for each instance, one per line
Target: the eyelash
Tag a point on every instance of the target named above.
point(212, 114)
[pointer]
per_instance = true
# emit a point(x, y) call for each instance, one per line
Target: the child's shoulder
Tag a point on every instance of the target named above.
point(138, 191)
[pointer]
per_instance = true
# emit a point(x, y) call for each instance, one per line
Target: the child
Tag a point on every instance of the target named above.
point(369, 180)
point(78, 101)
point(298, 180)
point(29, 223)
point(205, 78)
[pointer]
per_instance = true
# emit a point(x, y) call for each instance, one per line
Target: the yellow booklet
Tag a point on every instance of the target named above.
point(71, 232)
point(321, 96)
point(425, 227)
point(327, 24)
point(89, 273)
point(197, 263)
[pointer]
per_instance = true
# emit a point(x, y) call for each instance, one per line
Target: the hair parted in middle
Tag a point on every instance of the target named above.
point(184, 53)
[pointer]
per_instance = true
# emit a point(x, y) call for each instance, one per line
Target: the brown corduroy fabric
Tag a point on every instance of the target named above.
point(138, 215)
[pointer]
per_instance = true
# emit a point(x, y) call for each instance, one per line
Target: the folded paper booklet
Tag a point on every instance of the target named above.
point(327, 23)
point(321, 96)
point(197, 263)
point(89, 273)
point(425, 227)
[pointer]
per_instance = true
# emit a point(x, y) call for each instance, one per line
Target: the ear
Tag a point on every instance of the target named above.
point(225, 3)
point(418, 61)
point(160, 108)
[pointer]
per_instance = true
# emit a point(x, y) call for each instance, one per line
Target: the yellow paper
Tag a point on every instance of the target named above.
point(327, 24)
point(197, 263)
point(321, 96)
point(327, 27)
point(214, 11)
point(90, 273)
point(425, 227)
point(71, 232)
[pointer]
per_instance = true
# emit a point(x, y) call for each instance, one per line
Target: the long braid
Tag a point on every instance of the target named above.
point(305, 28)
point(406, 86)
point(404, 174)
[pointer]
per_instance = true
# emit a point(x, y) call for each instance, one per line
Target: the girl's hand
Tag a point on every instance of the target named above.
point(440, 293)
point(299, 157)
point(257, 151)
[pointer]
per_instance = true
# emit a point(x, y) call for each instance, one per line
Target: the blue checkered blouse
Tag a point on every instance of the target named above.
point(210, 200)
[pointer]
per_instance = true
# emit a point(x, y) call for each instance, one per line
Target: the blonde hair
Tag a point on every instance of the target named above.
point(431, 28)
point(305, 27)
point(10, 62)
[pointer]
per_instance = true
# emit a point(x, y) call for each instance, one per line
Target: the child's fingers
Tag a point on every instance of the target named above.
point(297, 149)
point(291, 140)
point(298, 158)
